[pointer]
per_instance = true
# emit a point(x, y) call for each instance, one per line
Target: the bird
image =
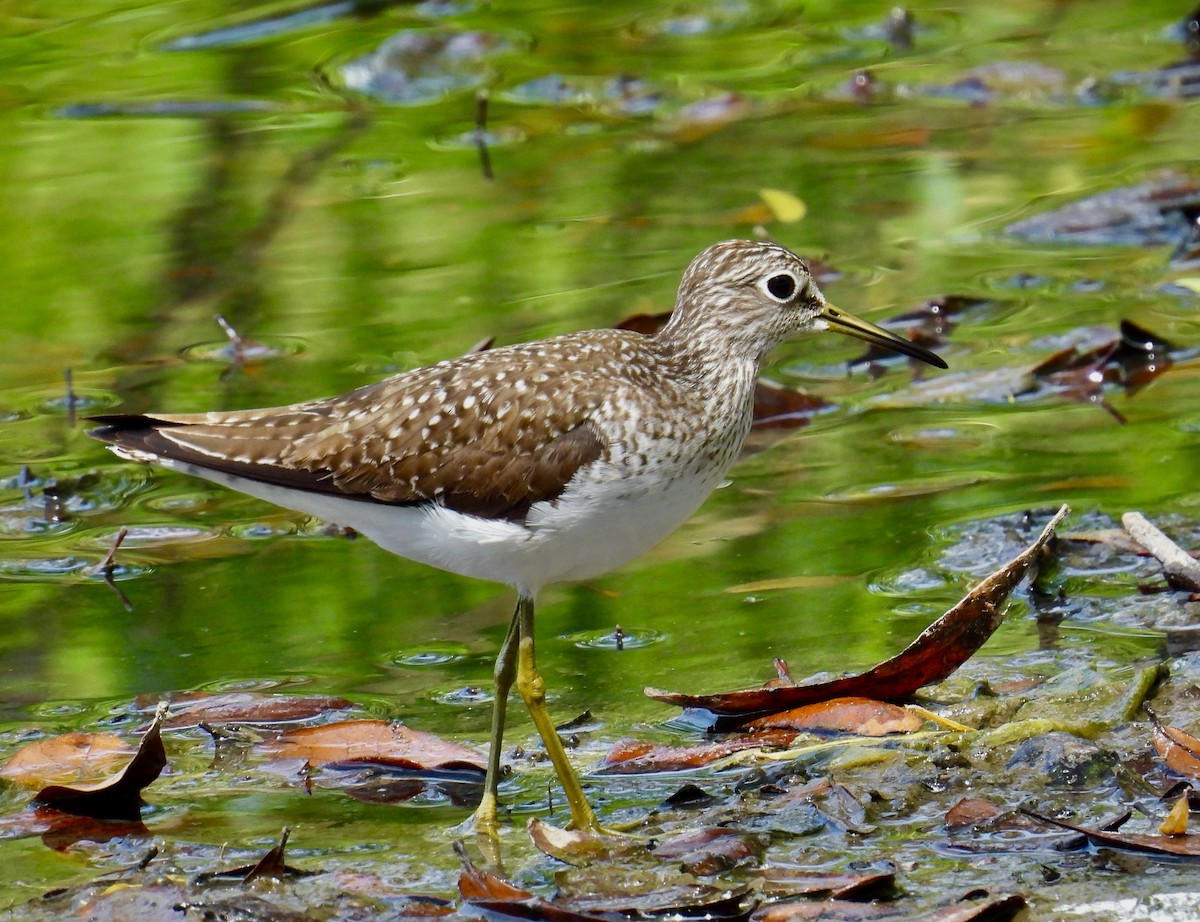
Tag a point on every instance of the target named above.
point(554, 460)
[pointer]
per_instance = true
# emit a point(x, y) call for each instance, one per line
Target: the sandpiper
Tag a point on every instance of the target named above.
point(553, 460)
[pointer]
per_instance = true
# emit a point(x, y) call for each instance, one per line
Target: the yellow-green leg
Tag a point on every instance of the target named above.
point(484, 819)
point(532, 689)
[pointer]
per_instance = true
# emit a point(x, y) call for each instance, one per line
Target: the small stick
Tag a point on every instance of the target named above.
point(1181, 570)
point(72, 400)
point(485, 158)
point(106, 564)
point(235, 338)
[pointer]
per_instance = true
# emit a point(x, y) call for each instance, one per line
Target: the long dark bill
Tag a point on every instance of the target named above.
point(841, 322)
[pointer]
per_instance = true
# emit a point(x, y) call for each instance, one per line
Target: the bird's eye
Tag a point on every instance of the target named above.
point(781, 287)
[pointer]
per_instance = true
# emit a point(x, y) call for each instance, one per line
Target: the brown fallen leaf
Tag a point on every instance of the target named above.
point(711, 850)
point(118, 797)
point(477, 884)
point(1183, 846)
point(826, 911)
point(372, 741)
point(663, 900)
point(1181, 751)
point(633, 757)
point(195, 708)
point(784, 881)
point(971, 909)
point(970, 812)
point(65, 759)
point(862, 716)
point(935, 654)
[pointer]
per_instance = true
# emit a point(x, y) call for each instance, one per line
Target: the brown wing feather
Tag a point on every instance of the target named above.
point(478, 434)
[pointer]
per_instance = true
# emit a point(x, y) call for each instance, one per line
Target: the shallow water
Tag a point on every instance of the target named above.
point(160, 165)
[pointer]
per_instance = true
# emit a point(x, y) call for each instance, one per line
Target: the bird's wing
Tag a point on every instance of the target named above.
point(480, 435)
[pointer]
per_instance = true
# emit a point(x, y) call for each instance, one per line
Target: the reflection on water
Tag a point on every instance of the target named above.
point(158, 173)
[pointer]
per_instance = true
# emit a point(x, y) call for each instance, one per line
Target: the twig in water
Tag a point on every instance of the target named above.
point(485, 157)
point(1181, 570)
point(106, 566)
point(72, 400)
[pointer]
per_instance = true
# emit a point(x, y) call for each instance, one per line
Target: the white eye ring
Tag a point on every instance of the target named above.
point(781, 287)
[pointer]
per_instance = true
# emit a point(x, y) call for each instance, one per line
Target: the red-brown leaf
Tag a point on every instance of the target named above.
point(863, 716)
point(935, 654)
point(631, 757)
point(1181, 751)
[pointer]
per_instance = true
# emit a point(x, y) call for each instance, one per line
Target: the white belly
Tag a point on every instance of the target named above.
point(591, 529)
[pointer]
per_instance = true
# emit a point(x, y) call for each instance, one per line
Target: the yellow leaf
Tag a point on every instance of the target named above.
point(1177, 820)
point(1191, 283)
point(784, 206)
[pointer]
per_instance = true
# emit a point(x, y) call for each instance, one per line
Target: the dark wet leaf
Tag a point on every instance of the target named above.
point(1184, 846)
point(118, 797)
point(1147, 214)
point(827, 911)
point(936, 653)
point(631, 757)
point(376, 741)
point(1181, 751)
point(786, 881)
point(240, 909)
point(155, 902)
point(195, 708)
point(711, 850)
point(534, 910)
point(862, 716)
point(672, 902)
point(779, 407)
point(972, 909)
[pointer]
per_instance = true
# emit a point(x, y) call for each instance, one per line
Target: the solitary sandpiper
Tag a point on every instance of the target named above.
point(553, 460)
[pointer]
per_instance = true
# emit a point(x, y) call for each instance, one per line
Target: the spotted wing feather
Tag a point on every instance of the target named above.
point(487, 434)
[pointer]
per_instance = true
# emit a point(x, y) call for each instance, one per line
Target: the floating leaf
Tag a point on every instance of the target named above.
point(1181, 751)
point(711, 849)
point(936, 653)
point(372, 741)
point(194, 709)
point(784, 881)
point(67, 758)
point(785, 207)
point(118, 797)
point(863, 716)
point(632, 757)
